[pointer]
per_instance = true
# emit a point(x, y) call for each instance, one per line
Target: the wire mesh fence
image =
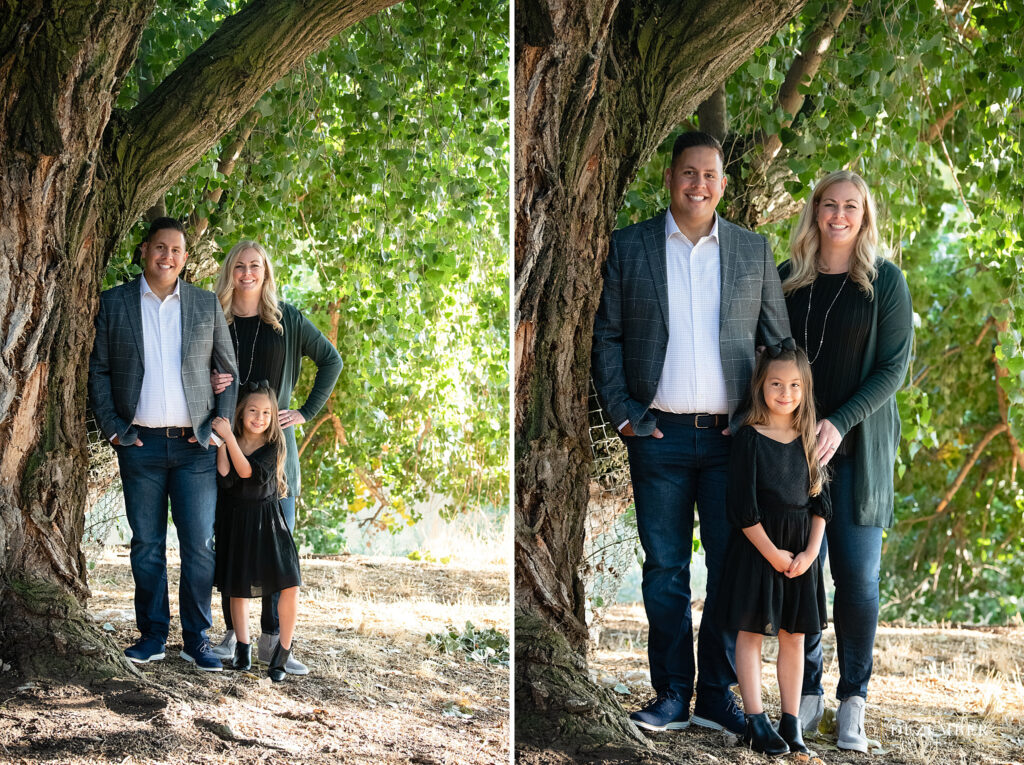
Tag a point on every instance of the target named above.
point(104, 505)
point(611, 546)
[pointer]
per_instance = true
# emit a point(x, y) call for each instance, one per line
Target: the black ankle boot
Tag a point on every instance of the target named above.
point(761, 736)
point(243, 656)
point(789, 730)
point(277, 661)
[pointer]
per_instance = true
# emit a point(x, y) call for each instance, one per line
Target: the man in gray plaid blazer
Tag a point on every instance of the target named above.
point(157, 340)
point(687, 298)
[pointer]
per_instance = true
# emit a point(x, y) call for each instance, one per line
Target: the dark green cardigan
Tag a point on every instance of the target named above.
point(873, 405)
point(301, 338)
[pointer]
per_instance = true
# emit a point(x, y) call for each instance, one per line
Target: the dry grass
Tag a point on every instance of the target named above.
point(938, 695)
point(377, 692)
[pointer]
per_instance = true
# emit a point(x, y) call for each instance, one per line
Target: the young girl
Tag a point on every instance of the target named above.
point(255, 551)
point(775, 499)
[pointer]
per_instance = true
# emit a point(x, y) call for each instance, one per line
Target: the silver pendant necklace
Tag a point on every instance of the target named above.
point(824, 323)
point(252, 354)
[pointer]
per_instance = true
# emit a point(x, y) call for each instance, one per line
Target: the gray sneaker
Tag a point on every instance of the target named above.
point(850, 721)
point(811, 710)
point(265, 649)
point(226, 648)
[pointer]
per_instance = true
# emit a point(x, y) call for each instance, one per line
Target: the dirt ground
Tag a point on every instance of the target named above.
point(938, 696)
point(376, 692)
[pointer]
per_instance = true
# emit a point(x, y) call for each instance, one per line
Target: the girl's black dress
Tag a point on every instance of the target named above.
point(256, 554)
point(768, 483)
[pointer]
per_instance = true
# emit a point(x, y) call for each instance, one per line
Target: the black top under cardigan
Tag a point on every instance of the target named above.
point(873, 405)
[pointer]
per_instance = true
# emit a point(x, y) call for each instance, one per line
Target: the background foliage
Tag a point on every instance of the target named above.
point(924, 100)
point(377, 177)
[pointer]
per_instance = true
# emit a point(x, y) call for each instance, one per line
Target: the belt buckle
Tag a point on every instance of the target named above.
point(697, 425)
point(174, 432)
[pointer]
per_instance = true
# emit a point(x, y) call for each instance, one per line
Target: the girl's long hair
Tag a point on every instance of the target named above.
point(269, 312)
point(274, 434)
point(804, 419)
point(804, 245)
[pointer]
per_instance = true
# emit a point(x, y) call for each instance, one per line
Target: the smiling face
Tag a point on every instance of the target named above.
point(257, 414)
point(840, 216)
point(783, 388)
point(163, 257)
point(696, 182)
point(248, 273)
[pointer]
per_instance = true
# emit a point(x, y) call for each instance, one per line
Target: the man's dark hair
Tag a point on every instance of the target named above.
point(696, 138)
point(163, 223)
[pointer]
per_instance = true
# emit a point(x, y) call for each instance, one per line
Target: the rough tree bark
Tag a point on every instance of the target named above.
point(75, 173)
point(598, 85)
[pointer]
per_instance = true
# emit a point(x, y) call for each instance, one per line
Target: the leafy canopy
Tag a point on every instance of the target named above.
point(376, 175)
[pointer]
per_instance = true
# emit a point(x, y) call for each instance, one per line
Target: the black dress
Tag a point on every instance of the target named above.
point(256, 554)
point(768, 483)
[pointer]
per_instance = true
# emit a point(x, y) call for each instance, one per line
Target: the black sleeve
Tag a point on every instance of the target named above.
point(822, 504)
point(741, 492)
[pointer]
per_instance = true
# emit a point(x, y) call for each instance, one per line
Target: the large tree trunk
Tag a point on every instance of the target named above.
point(75, 174)
point(598, 86)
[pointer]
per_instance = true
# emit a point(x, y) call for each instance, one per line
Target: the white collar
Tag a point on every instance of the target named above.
point(144, 288)
point(671, 228)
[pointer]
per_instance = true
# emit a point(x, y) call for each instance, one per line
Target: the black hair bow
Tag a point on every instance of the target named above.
point(254, 385)
point(785, 344)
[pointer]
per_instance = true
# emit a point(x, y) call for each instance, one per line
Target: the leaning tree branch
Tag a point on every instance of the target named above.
point(213, 88)
point(992, 433)
point(955, 349)
point(197, 222)
point(935, 129)
point(805, 66)
point(942, 143)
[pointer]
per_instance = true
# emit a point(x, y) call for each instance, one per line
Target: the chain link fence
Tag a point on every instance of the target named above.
point(104, 504)
point(611, 547)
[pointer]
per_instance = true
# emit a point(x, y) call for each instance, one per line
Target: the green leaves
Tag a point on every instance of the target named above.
point(377, 176)
point(487, 645)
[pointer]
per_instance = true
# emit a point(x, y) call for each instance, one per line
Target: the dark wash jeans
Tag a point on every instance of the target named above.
point(671, 474)
point(854, 554)
point(186, 474)
point(269, 621)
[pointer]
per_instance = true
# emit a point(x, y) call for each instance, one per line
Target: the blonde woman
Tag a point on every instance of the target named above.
point(270, 338)
point(850, 311)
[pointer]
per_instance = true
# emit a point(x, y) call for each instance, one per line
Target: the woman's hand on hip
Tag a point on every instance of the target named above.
point(828, 441)
point(290, 417)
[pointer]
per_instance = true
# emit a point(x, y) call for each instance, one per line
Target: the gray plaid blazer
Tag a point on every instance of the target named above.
point(631, 325)
point(117, 361)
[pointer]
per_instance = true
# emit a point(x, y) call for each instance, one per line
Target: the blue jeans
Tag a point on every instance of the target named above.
point(269, 621)
point(854, 553)
point(671, 474)
point(161, 469)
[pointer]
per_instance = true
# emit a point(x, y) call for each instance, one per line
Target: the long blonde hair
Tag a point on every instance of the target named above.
point(804, 418)
point(806, 240)
point(269, 312)
point(274, 434)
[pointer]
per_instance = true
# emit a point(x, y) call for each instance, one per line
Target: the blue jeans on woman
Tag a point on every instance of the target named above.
point(854, 554)
point(270, 623)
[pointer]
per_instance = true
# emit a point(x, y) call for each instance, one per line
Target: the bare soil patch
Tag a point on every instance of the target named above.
point(938, 696)
point(376, 692)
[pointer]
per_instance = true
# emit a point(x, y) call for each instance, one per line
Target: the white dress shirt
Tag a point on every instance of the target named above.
point(162, 402)
point(692, 380)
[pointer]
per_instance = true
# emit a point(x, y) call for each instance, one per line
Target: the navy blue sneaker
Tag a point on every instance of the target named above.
point(721, 714)
point(145, 650)
point(666, 712)
point(201, 654)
